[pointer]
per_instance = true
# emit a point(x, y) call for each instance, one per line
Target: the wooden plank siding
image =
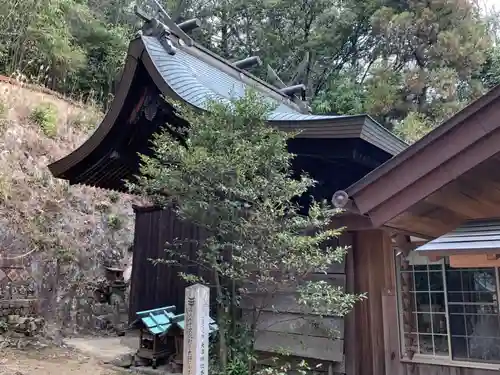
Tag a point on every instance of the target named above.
point(283, 324)
point(153, 286)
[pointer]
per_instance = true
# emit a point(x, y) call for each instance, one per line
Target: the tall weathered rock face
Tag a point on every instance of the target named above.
point(55, 240)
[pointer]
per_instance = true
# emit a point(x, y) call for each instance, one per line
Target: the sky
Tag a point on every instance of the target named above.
point(492, 3)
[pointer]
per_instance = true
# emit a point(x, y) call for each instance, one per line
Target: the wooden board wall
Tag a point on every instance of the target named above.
point(287, 325)
point(153, 286)
point(473, 261)
point(157, 285)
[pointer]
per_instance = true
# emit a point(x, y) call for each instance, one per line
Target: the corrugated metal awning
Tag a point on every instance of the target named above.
point(472, 237)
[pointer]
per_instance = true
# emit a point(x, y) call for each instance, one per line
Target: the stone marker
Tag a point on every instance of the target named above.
point(196, 330)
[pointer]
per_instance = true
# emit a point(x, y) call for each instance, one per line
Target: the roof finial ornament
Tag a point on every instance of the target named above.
point(295, 89)
point(248, 62)
point(189, 25)
point(275, 78)
point(152, 22)
point(289, 90)
point(174, 28)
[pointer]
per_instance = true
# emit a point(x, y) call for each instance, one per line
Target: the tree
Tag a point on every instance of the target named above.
point(410, 64)
point(231, 175)
point(64, 44)
point(427, 61)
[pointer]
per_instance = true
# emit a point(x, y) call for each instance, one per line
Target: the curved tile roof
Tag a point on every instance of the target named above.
point(196, 81)
point(194, 74)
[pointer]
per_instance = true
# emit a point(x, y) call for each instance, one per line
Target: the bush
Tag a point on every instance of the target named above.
point(45, 116)
point(3, 110)
point(114, 197)
point(3, 117)
point(114, 222)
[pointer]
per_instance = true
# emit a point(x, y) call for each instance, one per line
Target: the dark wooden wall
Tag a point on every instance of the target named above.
point(154, 286)
point(371, 330)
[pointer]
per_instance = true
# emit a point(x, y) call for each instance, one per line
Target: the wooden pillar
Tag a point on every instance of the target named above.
point(350, 338)
point(371, 339)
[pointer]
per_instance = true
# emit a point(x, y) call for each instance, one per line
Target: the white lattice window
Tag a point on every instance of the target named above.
point(448, 312)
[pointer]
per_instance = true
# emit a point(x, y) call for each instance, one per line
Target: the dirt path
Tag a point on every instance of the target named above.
point(51, 361)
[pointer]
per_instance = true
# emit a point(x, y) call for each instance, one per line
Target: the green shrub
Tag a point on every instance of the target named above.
point(3, 117)
point(114, 197)
point(3, 110)
point(114, 222)
point(45, 116)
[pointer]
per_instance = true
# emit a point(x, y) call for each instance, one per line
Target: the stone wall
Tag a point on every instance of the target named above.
point(62, 295)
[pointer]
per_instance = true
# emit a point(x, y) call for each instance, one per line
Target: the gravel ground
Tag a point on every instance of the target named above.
point(51, 361)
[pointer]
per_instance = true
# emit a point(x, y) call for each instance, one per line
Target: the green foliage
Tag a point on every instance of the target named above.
point(232, 176)
point(389, 59)
point(342, 96)
point(63, 44)
point(114, 222)
point(65, 256)
point(284, 368)
point(241, 352)
point(413, 127)
point(45, 116)
point(114, 197)
point(3, 110)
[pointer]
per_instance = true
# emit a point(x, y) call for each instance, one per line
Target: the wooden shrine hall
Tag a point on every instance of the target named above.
point(435, 207)
point(421, 220)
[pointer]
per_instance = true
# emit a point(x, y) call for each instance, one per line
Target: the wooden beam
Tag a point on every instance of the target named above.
point(434, 180)
point(435, 258)
point(466, 199)
point(423, 227)
point(404, 243)
point(320, 348)
point(350, 341)
point(372, 251)
point(351, 222)
point(443, 160)
point(474, 261)
point(391, 335)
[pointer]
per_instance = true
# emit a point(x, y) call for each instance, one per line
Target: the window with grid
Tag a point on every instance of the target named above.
point(449, 312)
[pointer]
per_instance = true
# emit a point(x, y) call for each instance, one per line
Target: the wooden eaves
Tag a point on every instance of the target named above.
point(450, 176)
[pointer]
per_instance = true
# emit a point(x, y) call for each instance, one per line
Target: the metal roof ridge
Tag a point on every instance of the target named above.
point(239, 70)
point(199, 47)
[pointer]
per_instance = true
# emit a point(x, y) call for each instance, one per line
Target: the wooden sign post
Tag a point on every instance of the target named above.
point(196, 330)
